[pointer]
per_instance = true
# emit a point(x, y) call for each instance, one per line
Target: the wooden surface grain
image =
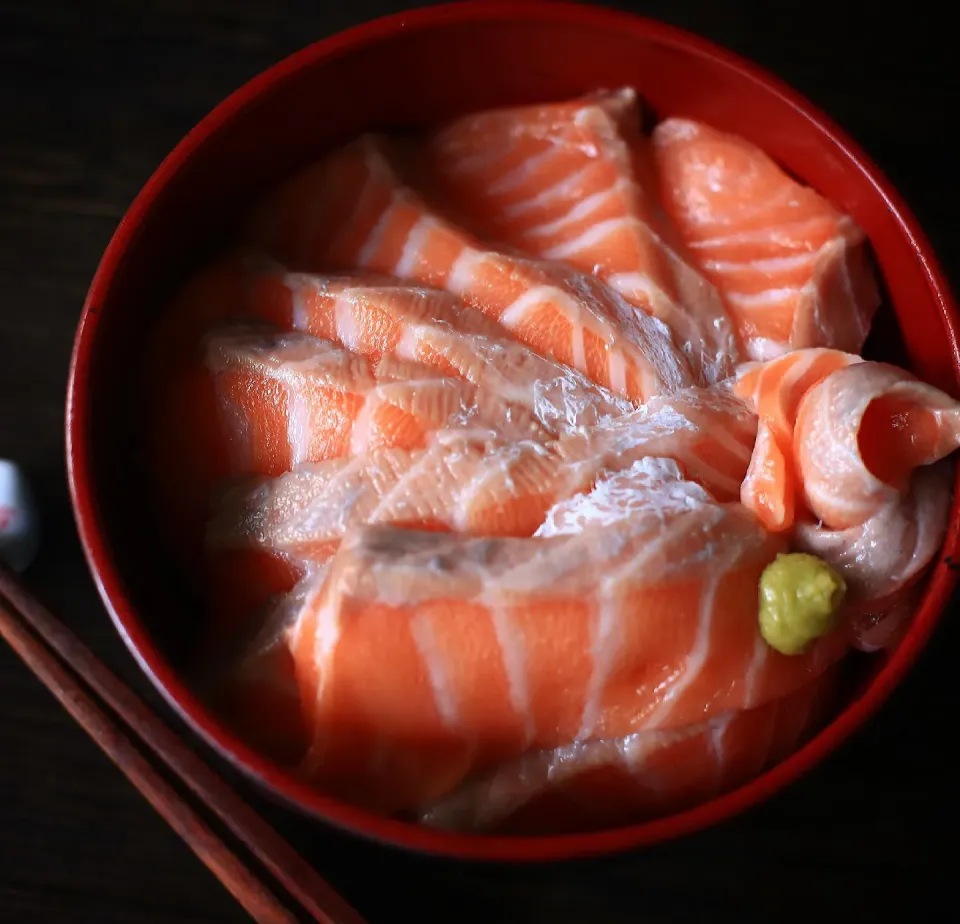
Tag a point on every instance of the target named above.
point(92, 96)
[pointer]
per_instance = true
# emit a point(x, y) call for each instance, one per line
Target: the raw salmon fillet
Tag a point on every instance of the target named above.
point(575, 181)
point(261, 403)
point(459, 485)
point(292, 398)
point(352, 211)
point(613, 782)
point(377, 316)
point(504, 645)
point(792, 270)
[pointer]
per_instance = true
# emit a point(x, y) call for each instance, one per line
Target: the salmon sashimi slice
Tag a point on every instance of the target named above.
point(263, 402)
point(793, 271)
point(774, 390)
point(892, 549)
point(353, 211)
point(612, 782)
point(859, 435)
point(378, 316)
point(459, 485)
point(292, 398)
point(503, 645)
point(574, 181)
point(710, 433)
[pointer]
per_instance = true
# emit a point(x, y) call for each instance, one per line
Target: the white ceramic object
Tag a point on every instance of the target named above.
point(19, 518)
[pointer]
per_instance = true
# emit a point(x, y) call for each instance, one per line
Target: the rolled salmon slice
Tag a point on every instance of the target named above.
point(890, 551)
point(774, 390)
point(859, 435)
point(574, 181)
point(615, 782)
point(459, 485)
point(352, 210)
point(792, 270)
point(503, 645)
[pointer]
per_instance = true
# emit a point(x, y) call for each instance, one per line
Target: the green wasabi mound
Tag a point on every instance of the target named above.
point(799, 599)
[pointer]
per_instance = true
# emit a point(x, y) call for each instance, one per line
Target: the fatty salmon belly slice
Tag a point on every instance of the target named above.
point(574, 182)
point(460, 485)
point(379, 318)
point(454, 485)
point(774, 390)
point(610, 783)
point(332, 402)
point(262, 403)
point(709, 432)
point(352, 211)
point(792, 270)
point(891, 550)
point(859, 435)
point(503, 645)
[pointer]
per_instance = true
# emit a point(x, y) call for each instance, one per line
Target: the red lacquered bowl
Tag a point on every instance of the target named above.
point(412, 70)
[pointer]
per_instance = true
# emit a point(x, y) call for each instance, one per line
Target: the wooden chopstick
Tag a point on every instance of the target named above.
point(60, 661)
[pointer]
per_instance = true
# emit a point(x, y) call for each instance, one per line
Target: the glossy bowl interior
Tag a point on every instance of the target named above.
point(408, 71)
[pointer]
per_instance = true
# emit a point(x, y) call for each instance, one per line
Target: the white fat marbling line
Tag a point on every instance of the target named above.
point(444, 693)
point(565, 187)
point(301, 314)
point(758, 661)
point(375, 238)
point(751, 301)
point(617, 371)
point(375, 170)
point(768, 266)
point(474, 163)
point(518, 175)
point(589, 238)
point(413, 247)
point(464, 270)
point(345, 323)
point(299, 425)
point(697, 657)
point(578, 212)
point(513, 652)
point(606, 642)
point(788, 237)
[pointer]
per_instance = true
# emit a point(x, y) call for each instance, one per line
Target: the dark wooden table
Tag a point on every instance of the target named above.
point(92, 96)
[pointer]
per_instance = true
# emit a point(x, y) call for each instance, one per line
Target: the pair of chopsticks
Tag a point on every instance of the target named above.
point(117, 719)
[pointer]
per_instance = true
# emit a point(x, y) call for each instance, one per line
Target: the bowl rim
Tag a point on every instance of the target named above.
point(284, 786)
